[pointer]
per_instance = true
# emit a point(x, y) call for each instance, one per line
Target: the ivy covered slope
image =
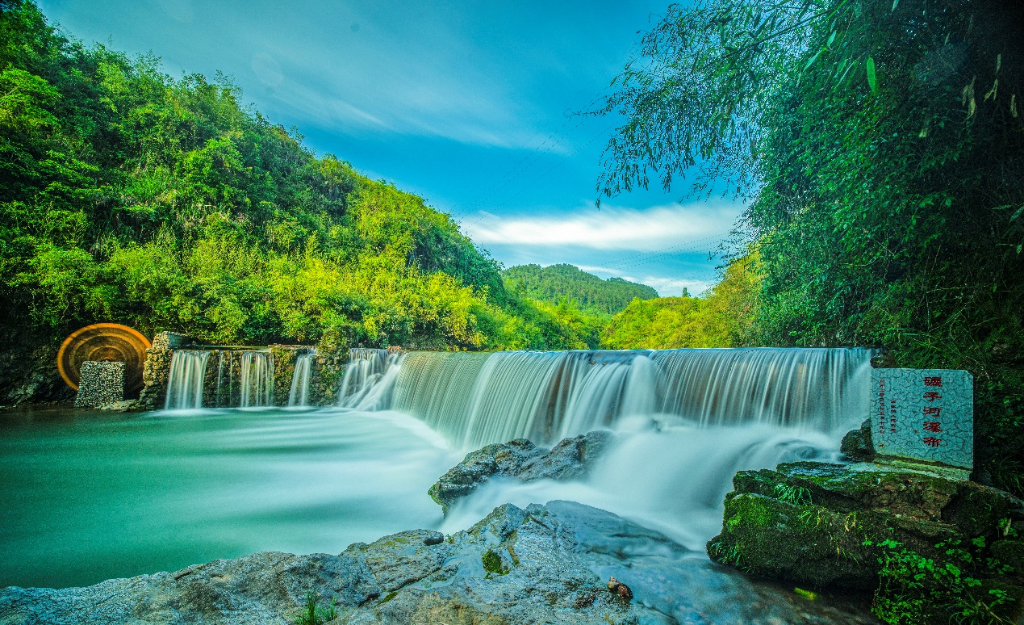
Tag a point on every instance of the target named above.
point(595, 296)
point(165, 204)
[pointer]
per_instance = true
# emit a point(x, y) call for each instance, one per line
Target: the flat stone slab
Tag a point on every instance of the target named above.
point(924, 414)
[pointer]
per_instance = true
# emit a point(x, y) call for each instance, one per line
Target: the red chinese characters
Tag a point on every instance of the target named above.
point(932, 413)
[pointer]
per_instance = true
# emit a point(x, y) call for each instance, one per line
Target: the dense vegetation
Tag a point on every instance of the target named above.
point(881, 146)
point(594, 296)
point(165, 204)
point(722, 318)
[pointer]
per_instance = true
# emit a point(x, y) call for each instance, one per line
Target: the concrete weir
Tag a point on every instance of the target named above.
point(182, 373)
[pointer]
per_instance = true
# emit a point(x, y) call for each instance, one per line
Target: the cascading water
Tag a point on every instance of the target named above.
point(299, 393)
point(257, 384)
point(369, 379)
point(186, 379)
point(475, 399)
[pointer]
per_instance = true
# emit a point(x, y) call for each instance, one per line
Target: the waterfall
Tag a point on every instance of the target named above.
point(257, 384)
point(474, 399)
point(299, 393)
point(185, 383)
point(361, 386)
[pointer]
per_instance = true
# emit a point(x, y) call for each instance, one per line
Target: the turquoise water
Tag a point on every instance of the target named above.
point(89, 496)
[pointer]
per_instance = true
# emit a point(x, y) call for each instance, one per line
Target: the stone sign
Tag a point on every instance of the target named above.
point(924, 414)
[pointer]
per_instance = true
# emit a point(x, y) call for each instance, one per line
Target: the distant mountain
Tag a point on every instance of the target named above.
point(595, 296)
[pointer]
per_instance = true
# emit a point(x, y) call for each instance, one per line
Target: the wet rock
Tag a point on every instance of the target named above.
point(807, 522)
point(554, 557)
point(620, 590)
point(571, 458)
point(125, 405)
point(857, 444)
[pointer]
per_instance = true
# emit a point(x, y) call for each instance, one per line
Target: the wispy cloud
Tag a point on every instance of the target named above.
point(666, 287)
point(672, 287)
point(611, 228)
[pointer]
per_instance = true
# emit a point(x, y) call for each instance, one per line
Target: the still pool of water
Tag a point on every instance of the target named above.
point(89, 496)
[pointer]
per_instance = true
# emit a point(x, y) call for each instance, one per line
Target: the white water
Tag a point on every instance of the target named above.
point(686, 420)
point(476, 399)
point(363, 386)
point(257, 384)
point(672, 477)
point(185, 383)
point(299, 393)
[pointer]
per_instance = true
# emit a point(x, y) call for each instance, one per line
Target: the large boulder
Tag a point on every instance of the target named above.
point(857, 444)
point(572, 458)
point(820, 524)
point(542, 564)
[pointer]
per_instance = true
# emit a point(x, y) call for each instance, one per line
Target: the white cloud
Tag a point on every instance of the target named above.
point(666, 287)
point(672, 287)
point(611, 228)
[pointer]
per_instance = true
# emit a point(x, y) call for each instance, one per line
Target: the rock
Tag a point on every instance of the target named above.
point(807, 522)
point(620, 590)
point(554, 558)
point(571, 458)
point(857, 444)
point(126, 405)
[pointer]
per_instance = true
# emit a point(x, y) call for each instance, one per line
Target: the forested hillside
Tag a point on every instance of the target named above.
point(721, 318)
point(130, 196)
point(594, 295)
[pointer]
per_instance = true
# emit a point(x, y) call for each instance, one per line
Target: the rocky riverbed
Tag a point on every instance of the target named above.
point(542, 564)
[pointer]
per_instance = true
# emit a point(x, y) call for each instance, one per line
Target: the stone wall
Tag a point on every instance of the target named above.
point(284, 357)
point(222, 383)
point(325, 378)
point(158, 368)
point(100, 383)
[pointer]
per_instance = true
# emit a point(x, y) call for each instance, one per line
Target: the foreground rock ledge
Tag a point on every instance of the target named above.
point(807, 522)
point(544, 564)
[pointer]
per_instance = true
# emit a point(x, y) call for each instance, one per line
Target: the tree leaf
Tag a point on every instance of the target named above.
point(872, 79)
point(813, 59)
point(895, 3)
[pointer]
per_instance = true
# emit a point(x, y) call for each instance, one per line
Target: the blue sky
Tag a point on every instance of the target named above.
point(468, 104)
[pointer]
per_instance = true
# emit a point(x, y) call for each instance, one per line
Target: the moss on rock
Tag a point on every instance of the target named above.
point(820, 524)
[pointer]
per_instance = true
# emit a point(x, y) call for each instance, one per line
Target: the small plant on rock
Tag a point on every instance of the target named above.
point(914, 589)
point(493, 563)
point(313, 614)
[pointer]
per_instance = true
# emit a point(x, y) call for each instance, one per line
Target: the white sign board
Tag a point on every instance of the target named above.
point(924, 414)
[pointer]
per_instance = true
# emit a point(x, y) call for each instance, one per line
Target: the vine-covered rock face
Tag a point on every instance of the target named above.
point(542, 564)
point(821, 524)
point(572, 458)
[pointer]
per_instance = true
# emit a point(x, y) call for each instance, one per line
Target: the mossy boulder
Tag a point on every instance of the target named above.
point(857, 444)
point(820, 524)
